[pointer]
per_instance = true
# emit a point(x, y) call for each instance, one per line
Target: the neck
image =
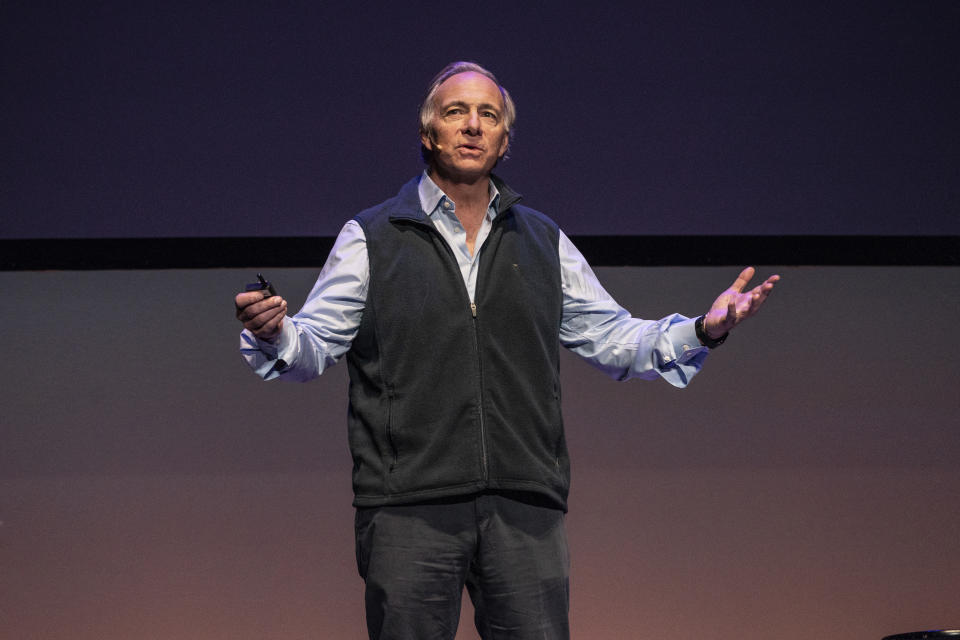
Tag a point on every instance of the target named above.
point(470, 192)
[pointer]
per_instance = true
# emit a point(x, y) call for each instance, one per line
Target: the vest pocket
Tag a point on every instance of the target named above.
point(391, 442)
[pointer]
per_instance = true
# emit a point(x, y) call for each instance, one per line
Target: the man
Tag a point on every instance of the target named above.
point(450, 302)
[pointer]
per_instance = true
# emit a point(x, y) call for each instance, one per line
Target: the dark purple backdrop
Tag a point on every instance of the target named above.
point(216, 119)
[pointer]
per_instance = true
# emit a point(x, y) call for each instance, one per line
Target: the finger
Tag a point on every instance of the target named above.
point(759, 296)
point(767, 286)
point(247, 298)
point(271, 328)
point(256, 321)
point(242, 302)
point(252, 310)
point(268, 329)
point(756, 299)
point(745, 276)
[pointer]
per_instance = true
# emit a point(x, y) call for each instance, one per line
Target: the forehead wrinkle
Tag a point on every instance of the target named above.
point(474, 84)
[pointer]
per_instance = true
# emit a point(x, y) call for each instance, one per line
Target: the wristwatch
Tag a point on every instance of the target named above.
point(706, 340)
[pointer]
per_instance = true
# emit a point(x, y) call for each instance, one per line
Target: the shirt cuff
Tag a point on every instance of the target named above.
point(689, 354)
point(269, 359)
point(686, 345)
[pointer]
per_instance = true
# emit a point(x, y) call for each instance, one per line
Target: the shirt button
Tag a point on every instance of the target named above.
point(446, 204)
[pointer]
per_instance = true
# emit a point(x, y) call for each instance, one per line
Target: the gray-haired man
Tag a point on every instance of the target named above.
point(451, 301)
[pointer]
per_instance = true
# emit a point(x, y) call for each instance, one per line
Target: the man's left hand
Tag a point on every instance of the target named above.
point(736, 305)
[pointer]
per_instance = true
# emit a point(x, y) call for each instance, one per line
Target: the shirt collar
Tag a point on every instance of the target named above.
point(431, 196)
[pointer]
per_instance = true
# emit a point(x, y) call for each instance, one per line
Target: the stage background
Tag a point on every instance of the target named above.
point(804, 485)
point(132, 119)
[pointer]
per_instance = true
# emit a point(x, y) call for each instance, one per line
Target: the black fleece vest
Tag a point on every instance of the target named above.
point(449, 398)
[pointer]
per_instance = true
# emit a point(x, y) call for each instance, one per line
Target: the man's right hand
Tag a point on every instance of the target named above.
point(263, 317)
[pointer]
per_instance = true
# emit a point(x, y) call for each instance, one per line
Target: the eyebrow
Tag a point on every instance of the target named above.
point(460, 103)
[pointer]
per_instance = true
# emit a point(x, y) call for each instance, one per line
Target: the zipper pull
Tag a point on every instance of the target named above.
point(473, 309)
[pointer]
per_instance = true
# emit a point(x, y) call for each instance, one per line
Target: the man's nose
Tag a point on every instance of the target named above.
point(473, 122)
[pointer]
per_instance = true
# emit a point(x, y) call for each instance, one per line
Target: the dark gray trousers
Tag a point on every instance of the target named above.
point(510, 552)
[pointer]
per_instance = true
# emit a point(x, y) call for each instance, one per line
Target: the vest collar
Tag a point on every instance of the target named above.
point(408, 200)
point(508, 197)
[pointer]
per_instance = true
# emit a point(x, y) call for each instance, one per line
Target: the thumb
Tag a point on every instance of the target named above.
point(745, 276)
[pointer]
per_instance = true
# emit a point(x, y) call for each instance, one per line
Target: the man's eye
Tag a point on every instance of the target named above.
point(489, 114)
point(454, 112)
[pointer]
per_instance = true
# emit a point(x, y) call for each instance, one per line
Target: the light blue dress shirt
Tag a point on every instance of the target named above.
point(593, 325)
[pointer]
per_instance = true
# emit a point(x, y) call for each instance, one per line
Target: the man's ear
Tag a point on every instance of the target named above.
point(426, 139)
point(504, 145)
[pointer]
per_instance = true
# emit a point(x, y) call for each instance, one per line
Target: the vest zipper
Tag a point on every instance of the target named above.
point(483, 432)
point(476, 334)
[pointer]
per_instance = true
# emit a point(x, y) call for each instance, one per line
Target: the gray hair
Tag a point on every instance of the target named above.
point(427, 107)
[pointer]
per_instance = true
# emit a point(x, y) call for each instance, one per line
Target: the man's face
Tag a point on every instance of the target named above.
point(468, 131)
